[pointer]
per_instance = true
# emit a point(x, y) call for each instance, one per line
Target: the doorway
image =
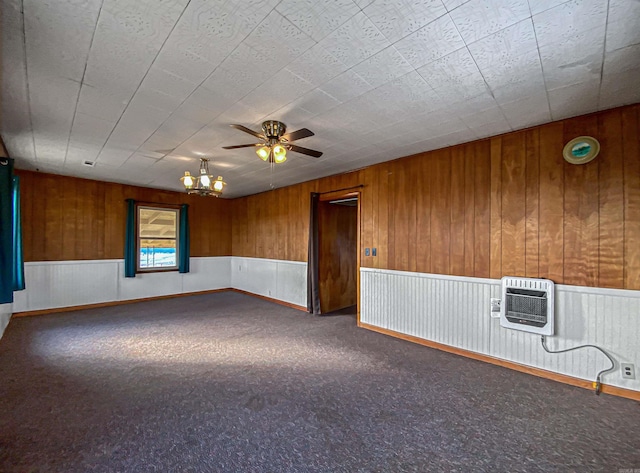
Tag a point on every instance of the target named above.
point(338, 254)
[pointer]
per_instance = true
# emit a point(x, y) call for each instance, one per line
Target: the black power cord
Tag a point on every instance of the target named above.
point(597, 383)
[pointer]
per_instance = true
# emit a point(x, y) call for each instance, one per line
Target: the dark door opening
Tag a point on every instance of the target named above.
point(338, 253)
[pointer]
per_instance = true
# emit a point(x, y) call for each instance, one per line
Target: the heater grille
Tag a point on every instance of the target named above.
point(528, 305)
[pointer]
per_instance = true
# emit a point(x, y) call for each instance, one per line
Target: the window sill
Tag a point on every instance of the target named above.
point(156, 270)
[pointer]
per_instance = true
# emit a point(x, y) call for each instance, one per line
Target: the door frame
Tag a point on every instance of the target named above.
point(346, 195)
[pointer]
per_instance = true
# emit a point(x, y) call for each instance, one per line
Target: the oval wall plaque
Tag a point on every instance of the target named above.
point(581, 150)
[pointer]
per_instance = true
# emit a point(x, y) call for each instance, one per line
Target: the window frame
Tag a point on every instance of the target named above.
point(154, 206)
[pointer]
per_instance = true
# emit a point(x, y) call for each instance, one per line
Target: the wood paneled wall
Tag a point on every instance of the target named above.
point(508, 205)
point(275, 224)
point(66, 218)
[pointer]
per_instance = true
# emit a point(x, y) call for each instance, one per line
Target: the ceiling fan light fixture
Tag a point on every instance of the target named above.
point(279, 154)
point(263, 153)
point(275, 142)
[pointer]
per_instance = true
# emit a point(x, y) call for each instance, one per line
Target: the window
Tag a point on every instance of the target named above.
point(157, 238)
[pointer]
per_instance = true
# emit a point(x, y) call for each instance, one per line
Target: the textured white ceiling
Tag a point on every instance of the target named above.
point(145, 87)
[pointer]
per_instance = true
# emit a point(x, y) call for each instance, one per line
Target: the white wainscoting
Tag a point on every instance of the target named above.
point(5, 315)
point(282, 280)
point(54, 284)
point(456, 311)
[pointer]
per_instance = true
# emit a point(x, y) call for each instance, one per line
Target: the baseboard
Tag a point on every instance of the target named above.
point(562, 378)
point(270, 299)
point(73, 308)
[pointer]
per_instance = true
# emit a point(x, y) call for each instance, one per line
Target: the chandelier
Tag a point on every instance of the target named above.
point(203, 184)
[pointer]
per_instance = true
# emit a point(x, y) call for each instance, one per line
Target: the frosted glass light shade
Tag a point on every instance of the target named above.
point(187, 180)
point(279, 154)
point(218, 184)
point(263, 153)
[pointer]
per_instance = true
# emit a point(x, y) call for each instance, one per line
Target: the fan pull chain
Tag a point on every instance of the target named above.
point(271, 164)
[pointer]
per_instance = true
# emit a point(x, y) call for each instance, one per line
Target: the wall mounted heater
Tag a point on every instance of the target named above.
point(527, 304)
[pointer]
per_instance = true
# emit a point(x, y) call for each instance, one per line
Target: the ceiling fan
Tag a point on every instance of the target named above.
point(276, 142)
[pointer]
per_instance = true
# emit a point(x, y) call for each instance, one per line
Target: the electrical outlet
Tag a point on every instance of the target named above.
point(495, 305)
point(628, 371)
point(495, 308)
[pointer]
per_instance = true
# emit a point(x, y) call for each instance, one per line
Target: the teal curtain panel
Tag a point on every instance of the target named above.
point(184, 251)
point(18, 255)
point(6, 231)
point(130, 241)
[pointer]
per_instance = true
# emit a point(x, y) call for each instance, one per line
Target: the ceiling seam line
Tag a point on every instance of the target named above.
point(604, 51)
point(481, 74)
point(26, 81)
point(84, 72)
point(544, 78)
point(143, 78)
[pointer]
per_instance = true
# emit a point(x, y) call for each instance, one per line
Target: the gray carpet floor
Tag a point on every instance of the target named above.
point(231, 383)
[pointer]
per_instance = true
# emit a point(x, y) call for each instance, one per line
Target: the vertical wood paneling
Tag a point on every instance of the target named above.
point(581, 211)
point(399, 254)
point(457, 244)
point(383, 216)
point(441, 212)
point(611, 200)
point(113, 209)
point(469, 209)
point(70, 228)
point(391, 217)
point(495, 263)
point(482, 200)
point(368, 196)
point(423, 216)
point(513, 204)
point(53, 216)
point(409, 168)
point(67, 218)
point(631, 154)
point(532, 199)
point(551, 228)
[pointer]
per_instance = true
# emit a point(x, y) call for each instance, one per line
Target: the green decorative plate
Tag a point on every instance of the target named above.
point(581, 150)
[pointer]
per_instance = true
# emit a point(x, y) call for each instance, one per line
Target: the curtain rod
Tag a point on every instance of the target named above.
point(343, 189)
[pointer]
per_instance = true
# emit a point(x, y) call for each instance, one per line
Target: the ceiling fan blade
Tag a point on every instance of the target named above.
point(307, 151)
point(251, 132)
point(242, 146)
point(297, 135)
